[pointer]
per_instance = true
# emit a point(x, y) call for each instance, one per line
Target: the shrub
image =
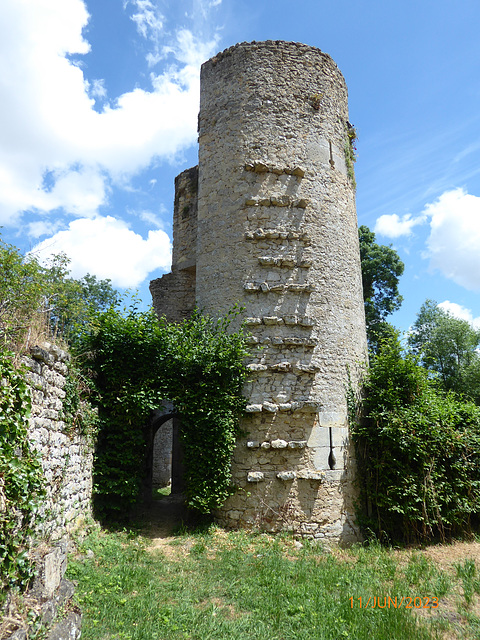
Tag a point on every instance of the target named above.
point(418, 453)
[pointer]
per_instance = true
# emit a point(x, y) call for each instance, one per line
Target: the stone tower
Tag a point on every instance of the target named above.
point(273, 227)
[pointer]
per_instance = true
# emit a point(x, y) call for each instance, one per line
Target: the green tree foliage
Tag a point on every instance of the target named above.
point(71, 303)
point(36, 298)
point(137, 363)
point(21, 477)
point(417, 450)
point(381, 270)
point(21, 294)
point(447, 347)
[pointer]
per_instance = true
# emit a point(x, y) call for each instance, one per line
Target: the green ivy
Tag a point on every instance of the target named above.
point(136, 363)
point(77, 412)
point(21, 477)
point(418, 453)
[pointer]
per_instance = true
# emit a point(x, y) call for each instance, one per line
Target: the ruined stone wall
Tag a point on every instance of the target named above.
point(277, 233)
point(162, 456)
point(174, 293)
point(67, 461)
point(67, 457)
point(185, 208)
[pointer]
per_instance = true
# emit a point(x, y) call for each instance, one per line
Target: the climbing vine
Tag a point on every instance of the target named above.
point(78, 415)
point(21, 478)
point(136, 364)
point(351, 151)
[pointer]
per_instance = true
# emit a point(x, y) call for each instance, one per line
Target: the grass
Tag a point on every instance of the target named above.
point(163, 492)
point(238, 586)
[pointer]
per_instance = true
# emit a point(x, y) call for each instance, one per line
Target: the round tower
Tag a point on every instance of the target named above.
point(277, 233)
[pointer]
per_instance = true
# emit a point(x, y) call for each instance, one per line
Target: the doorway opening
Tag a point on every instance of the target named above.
point(164, 460)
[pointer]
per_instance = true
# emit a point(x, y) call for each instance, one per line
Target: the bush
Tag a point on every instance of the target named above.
point(418, 453)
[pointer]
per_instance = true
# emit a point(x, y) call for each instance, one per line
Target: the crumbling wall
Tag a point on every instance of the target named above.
point(66, 455)
point(67, 460)
point(174, 293)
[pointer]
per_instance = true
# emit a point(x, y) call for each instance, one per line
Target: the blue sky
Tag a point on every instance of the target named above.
point(98, 112)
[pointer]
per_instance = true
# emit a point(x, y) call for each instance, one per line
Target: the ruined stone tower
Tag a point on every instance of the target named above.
point(268, 221)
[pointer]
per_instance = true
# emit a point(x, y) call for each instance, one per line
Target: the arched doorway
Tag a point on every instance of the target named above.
point(164, 455)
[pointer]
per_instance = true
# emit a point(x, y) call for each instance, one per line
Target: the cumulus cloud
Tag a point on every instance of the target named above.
point(49, 123)
point(458, 311)
point(106, 247)
point(453, 246)
point(453, 242)
point(392, 226)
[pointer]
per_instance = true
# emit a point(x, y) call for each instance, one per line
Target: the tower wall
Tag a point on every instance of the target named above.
point(277, 233)
point(174, 293)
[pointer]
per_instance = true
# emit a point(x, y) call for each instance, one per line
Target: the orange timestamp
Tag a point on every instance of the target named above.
point(387, 602)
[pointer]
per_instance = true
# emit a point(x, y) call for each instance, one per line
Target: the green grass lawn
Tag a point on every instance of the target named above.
point(237, 586)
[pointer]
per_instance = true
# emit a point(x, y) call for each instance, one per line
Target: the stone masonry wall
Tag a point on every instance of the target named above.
point(277, 233)
point(174, 293)
point(67, 457)
point(162, 456)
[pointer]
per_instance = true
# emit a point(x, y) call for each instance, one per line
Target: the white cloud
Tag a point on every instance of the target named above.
point(49, 123)
point(392, 226)
point(149, 20)
point(457, 311)
point(41, 228)
point(96, 89)
point(453, 245)
point(80, 192)
point(107, 248)
point(151, 218)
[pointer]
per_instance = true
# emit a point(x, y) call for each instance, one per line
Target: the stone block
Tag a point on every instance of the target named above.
point(253, 408)
point(321, 457)
point(332, 419)
point(67, 629)
point(308, 474)
point(286, 475)
point(297, 444)
point(320, 436)
point(270, 407)
point(334, 475)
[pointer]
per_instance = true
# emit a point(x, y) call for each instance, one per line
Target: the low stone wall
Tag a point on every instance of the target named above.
point(67, 461)
point(67, 457)
point(49, 596)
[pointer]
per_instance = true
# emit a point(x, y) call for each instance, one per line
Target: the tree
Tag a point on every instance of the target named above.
point(70, 302)
point(21, 294)
point(381, 270)
point(447, 347)
point(417, 450)
point(39, 300)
